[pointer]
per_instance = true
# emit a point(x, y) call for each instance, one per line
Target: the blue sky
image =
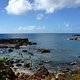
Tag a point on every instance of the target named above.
point(39, 16)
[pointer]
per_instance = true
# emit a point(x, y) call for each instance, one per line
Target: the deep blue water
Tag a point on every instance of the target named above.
point(62, 49)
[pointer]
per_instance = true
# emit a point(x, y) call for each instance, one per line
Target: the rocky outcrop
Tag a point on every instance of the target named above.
point(42, 72)
point(18, 64)
point(30, 53)
point(31, 43)
point(10, 50)
point(26, 65)
point(13, 40)
point(42, 50)
point(61, 76)
point(24, 50)
point(75, 38)
point(6, 72)
point(22, 76)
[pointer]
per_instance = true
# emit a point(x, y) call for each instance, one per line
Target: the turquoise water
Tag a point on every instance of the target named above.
point(62, 49)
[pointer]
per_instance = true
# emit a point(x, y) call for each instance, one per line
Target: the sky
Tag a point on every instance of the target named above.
point(39, 16)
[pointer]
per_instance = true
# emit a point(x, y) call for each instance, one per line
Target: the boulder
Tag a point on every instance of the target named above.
point(22, 76)
point(18, 64)
point(42, 50)
point(24, 50)
point(42, 72)
point(34, 43)
point(61, 76)
point(10, 50)
point(17, 46)
point(26, 65)
point(17, 60)
point(30, 53)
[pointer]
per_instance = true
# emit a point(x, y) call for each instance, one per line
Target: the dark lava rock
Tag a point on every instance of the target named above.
point(73, 63)
point(10, 50)
point(22, 61)
point(30, 53)
point(3, 46)
point(18, 64)
point(76, 35)
point(17, 46)
point(17, 60)
point(12, 62)
point(26, 65)
point(42, 50)
point(24, 50)
point(42, 72)
point(13, 40)
point(46, 51)
point(34, 43)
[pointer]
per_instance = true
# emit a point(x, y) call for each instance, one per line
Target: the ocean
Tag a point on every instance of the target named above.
point(63, 51)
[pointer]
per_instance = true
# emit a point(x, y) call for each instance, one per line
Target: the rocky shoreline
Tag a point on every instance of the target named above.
point(10, 73)
point(16, 68)
point(15, 42)
point(75, 37)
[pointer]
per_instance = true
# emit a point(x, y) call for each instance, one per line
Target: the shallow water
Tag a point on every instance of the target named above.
point(62, 49)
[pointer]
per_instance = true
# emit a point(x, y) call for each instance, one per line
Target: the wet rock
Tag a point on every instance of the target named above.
point(42, 72)
point(29, 43)
point(67, 70)
point(3, 46)
point(13, 40)
point(12, 62)
point(18, 64)
point(42, 50)
point(22, 76)
point(22, 61)
point(78, 56)
point(73, 63)
point(30, 53)
point(17, 46)
point(32, 43)
point(17, 60)
point(61, 76)
point(24, 50)
point(10, 50)
point(15, 69)
point(75, 38)
point(26, 65)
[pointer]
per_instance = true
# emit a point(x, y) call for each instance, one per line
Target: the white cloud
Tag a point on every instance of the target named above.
point(66, 25)
point(31, 28)
point(18, 7)
point(19, 28)
point(51, 5)
point(40, 16)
